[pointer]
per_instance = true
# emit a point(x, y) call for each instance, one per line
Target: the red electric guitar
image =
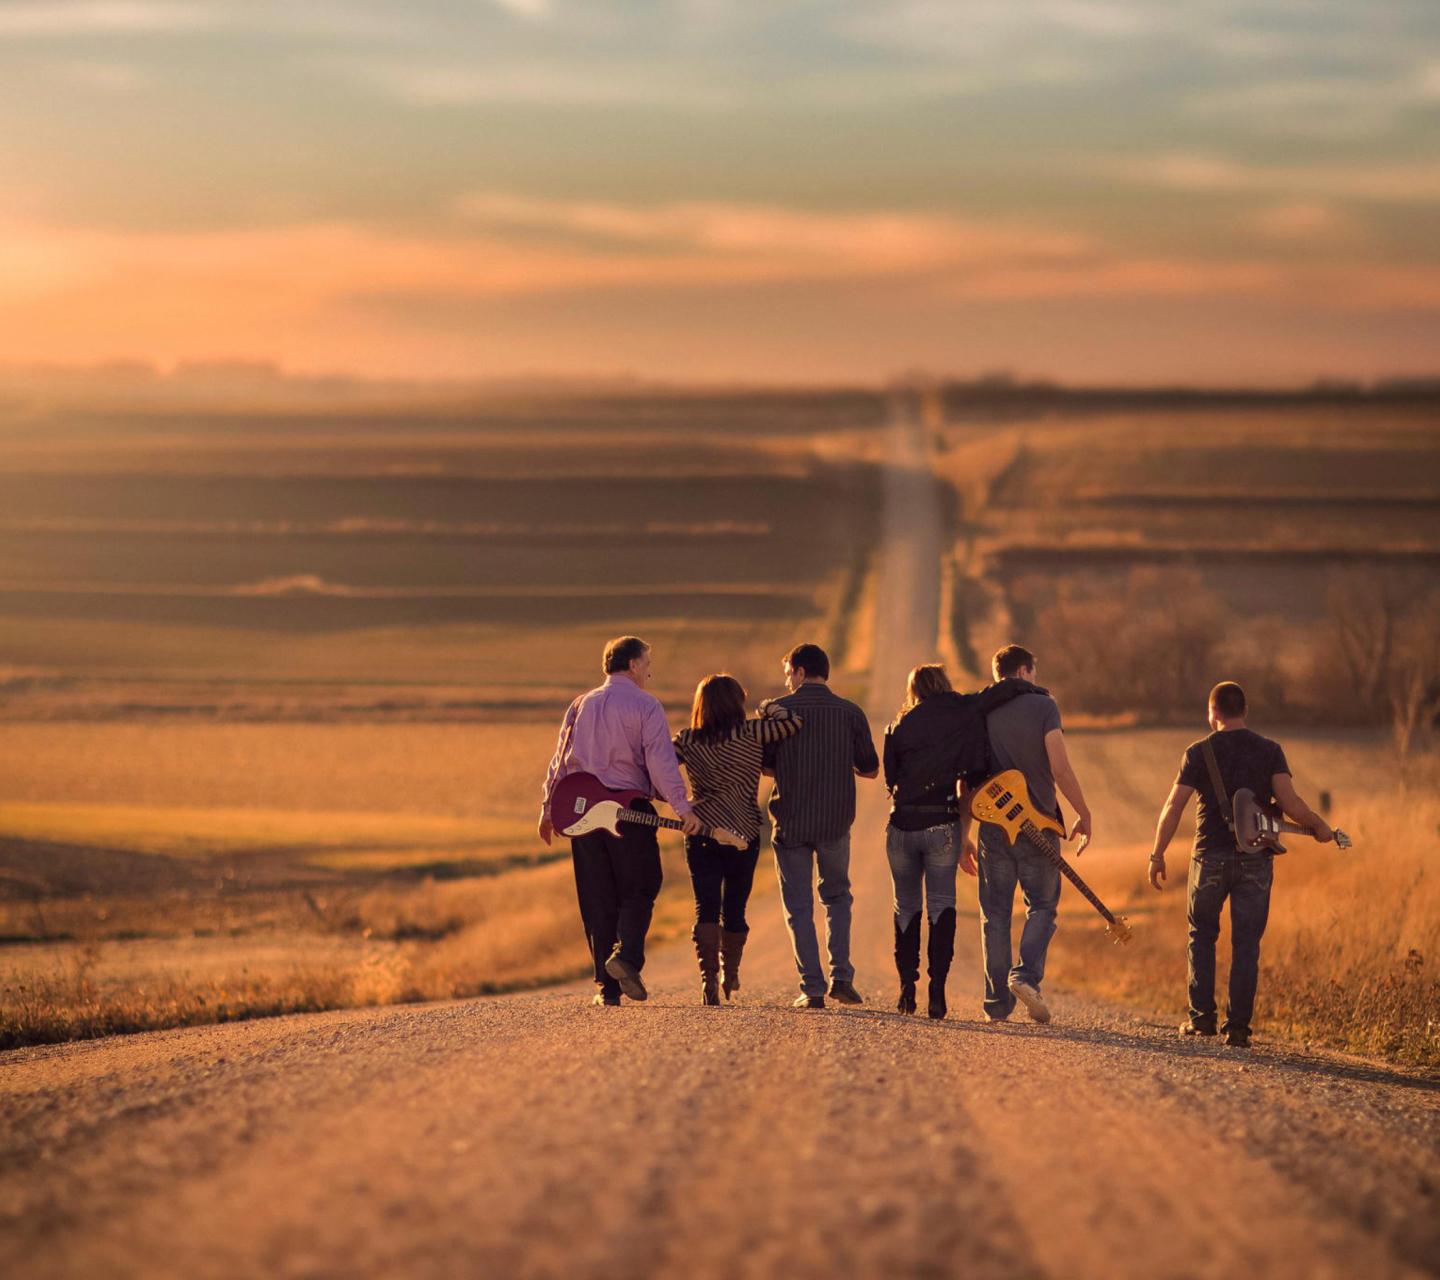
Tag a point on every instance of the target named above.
point(581, 803)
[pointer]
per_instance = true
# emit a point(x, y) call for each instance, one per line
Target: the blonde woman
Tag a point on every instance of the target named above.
point(936, 744)
point(721, 752)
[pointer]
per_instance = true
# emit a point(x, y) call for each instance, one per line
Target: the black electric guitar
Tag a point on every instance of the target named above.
point(1005, 801)
point(1259, 826)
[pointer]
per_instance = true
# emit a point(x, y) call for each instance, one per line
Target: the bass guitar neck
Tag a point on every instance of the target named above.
point(1004, 801)
point(1051, 849)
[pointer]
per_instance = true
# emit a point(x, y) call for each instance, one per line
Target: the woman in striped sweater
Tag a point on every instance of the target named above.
point(721, 752)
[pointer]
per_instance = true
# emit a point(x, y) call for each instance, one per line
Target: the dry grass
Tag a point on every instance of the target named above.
point(395, 839)
point(395, 945)
point(434, 770)
point(433, 941)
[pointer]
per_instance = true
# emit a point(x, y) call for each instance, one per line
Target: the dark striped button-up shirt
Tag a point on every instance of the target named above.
point(814, 797)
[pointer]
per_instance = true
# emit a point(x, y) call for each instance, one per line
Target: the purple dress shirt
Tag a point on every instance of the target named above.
point(619, 733)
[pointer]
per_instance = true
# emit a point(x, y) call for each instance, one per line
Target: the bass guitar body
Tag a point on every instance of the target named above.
point(1004, 801)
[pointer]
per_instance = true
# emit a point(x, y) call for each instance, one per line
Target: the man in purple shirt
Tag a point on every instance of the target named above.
point(618, 732)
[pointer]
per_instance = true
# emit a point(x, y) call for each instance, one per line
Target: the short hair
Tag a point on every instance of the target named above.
point(1010, 659)
point(1228, 699)
point(621, 652)
point(811, 659)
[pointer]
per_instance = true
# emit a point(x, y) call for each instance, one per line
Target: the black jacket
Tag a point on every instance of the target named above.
point(941, 741)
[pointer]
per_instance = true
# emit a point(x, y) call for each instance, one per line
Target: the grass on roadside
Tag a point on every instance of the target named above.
point(1351, 955)
point(455, 939)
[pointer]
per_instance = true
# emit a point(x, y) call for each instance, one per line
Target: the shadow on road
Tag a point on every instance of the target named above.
point(1152, 1040)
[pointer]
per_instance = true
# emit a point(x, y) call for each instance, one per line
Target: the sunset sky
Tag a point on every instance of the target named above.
point(789, 190)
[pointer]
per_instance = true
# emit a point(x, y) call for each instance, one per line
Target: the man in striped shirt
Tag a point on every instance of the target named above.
point(813, 807)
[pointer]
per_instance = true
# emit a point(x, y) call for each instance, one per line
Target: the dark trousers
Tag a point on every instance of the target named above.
point(617, 879)
point(1246, 881)
point(722, 878)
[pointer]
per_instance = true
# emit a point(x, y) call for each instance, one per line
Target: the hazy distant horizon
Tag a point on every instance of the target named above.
point(135, 378)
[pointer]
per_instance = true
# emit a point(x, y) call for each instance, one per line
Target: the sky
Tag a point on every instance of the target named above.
point(788, 191)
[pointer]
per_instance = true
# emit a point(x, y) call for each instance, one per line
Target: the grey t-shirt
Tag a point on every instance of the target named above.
point(1017, 741)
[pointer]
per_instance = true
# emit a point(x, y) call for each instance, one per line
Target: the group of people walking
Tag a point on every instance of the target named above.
point(815, 744)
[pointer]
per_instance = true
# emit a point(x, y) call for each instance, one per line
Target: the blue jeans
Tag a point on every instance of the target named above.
point(795, 865)
point(1001, 868)
point(1246, 881)
point(923, 860)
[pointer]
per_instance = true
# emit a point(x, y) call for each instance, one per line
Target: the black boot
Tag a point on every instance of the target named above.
point(907, 961)
point(941, 952)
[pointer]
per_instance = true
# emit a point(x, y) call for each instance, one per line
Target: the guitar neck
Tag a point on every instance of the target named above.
point(1046, 841)
point(1342, 841)
point(655, 820)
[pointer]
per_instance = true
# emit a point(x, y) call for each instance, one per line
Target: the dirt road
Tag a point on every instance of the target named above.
point(535, 1135)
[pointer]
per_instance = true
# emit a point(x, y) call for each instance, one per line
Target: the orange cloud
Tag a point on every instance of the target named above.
point(289, 290)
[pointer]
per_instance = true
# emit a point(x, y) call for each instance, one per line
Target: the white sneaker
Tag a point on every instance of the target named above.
point(1030, 997)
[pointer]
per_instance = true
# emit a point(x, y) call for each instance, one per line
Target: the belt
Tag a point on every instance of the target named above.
point(928, 808)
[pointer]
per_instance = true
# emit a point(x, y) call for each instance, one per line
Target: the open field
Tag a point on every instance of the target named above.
point(277, 702)
point(1226, 532)
point(473, 548)
point(279, 692)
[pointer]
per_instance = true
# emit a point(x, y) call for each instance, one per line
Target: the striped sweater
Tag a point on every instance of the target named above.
point(725, 775)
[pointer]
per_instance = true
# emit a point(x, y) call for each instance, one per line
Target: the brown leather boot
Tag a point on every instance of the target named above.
point(732, 947)
point(707, 951)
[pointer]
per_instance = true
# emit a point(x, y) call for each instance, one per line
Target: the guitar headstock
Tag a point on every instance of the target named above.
point(1342, 841)
point(1119, 931)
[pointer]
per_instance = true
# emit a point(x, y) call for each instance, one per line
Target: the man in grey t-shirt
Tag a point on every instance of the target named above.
point(1025, 734)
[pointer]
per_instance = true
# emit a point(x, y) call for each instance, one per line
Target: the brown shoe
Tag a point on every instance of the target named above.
point(732, 947)
point(845, 993)
point(808, 1002)
point(707, 951)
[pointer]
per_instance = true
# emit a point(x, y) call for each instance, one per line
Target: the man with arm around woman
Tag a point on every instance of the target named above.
point(936, 744)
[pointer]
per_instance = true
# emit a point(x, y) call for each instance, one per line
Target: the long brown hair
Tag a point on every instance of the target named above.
point(719, 707)
point(925, 681)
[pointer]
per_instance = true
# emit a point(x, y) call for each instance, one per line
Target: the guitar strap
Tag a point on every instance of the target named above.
point(1222, 796)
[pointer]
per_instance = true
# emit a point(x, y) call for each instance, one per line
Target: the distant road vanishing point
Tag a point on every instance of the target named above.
point(535, 1136)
